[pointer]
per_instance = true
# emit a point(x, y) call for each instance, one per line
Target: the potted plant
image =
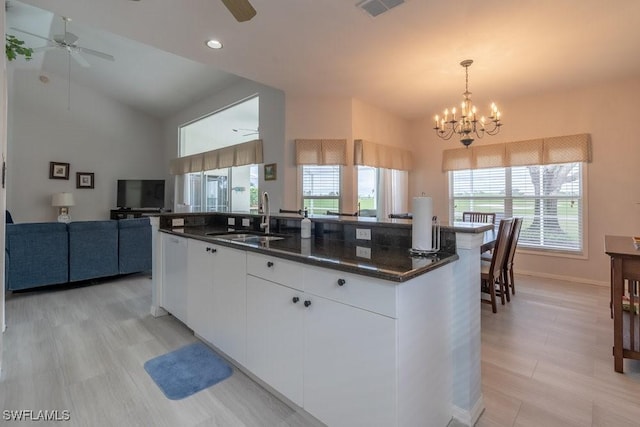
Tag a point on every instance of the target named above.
point(15, 47)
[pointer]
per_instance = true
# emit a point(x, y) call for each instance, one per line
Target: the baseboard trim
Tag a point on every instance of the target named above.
point(157, 311)
point(468, 418)
point(561, 277)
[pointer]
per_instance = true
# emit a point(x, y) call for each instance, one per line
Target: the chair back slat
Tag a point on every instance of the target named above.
point(479, 217)
point(501, 247)
point(513, 241)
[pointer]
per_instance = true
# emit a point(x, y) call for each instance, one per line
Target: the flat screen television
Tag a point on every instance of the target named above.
point(140, 193)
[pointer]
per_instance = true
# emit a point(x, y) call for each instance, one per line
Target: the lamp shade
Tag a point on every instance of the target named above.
point(62, 199)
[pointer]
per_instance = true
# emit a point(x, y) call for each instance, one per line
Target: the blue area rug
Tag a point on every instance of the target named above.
point(188, 370)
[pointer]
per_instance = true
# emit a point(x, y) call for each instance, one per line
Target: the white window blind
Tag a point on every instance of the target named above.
point(549, 198)
point(321, 188)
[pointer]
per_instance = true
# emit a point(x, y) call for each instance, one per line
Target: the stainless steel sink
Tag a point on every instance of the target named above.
point(246, 237)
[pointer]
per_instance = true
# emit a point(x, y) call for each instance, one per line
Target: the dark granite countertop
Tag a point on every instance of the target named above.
point(386, 262)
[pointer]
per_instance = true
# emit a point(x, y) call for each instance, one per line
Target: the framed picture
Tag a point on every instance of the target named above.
point(58, 170)
point(84, 180)
point(270, 172)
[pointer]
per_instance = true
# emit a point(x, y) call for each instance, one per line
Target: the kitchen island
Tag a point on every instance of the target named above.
point(353, 332)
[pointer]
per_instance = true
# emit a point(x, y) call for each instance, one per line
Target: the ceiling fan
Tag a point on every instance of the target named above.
point(67, 41)
point(240, 9)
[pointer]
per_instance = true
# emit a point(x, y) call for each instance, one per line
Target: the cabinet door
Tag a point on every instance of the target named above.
point(274, 336)
point(200, 294)
point(227, 309)
point(349, 365)
point(174, 274)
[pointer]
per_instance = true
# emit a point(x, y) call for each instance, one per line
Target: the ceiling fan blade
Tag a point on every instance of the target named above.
point(240, 9)
point(67, 38)
point(78, 58)
point(31, 34)
point(44, 48)
point(96, 53)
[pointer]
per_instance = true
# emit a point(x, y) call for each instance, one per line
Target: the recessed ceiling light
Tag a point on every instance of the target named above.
point(214, 44)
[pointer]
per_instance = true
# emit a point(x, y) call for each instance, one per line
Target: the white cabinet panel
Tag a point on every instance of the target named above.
point(217, 296)
point(228, 304)
point(365, 292)
point(349, 365)
point(174, 275)
point(275, 336)
point(200, 296)
point(288, 273)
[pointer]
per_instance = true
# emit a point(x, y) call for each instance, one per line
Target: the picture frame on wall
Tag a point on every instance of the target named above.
point(85, 180)
point(270, 172)
point(58, 170)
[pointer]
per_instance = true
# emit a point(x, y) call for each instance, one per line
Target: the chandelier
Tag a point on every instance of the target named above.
point(466, 126)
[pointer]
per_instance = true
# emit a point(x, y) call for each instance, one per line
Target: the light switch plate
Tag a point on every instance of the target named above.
point(363, 233)
point(177, 222)
point(246, 222)
point(363, 252)
point(231, 221)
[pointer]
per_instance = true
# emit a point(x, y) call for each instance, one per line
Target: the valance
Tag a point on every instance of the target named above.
point(321, 151)
point(542, 151)
point(247, 153)
point(376, 155)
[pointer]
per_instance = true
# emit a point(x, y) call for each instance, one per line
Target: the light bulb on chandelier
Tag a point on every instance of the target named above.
point(467, 125)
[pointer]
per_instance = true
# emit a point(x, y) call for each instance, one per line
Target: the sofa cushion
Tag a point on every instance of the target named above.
point(134, 245)
point(36, 254)
point(93, 249)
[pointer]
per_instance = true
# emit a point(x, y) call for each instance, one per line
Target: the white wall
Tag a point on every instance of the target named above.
point(609, 113)
point(317, 117)
point(96, 135)
point(337, 118)
point(272, 119)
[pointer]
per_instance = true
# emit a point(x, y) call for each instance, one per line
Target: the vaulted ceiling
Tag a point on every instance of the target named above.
point(405, 60)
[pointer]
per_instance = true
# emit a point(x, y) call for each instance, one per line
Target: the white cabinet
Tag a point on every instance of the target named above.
point(217, 296)
point(335, 360)
point(275, 336)
point(349, 349)
point(349, 365)
point(174, 275)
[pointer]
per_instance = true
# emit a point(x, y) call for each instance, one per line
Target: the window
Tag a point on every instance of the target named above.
point(549, 198)
point(367, 189)
point(226, 189)
point(321, 188)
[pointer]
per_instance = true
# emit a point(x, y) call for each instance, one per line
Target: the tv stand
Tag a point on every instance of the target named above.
point(124, 213)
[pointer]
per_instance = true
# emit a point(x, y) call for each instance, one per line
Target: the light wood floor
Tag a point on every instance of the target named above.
point(546, 361)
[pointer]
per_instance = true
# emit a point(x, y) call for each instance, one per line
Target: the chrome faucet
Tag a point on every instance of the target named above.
point(266, 213)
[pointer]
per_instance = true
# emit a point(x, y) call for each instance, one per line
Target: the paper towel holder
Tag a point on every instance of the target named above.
point(435, 241)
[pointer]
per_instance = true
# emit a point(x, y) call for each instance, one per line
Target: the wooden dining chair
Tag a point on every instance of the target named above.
point(479, 217)
point(342, 213)
point(491, 272)
point(405, 215)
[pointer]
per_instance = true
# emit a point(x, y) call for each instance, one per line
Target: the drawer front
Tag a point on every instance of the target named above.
point(278, 270)
point(378, 296)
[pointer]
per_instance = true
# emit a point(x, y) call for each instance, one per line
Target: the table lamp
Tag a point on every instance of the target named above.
point(62, 201)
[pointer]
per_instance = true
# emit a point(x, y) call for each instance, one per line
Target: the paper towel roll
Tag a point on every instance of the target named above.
point(422, 221)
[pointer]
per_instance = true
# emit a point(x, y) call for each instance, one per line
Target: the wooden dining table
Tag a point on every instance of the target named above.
point(625, 270)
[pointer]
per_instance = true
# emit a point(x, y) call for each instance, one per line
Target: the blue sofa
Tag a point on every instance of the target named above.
point(42, 254)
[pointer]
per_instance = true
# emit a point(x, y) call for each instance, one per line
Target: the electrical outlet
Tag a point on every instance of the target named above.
point(231, 221)
point(363, 252)
point(246, 222)
point(177, 222)
point(363, 233)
